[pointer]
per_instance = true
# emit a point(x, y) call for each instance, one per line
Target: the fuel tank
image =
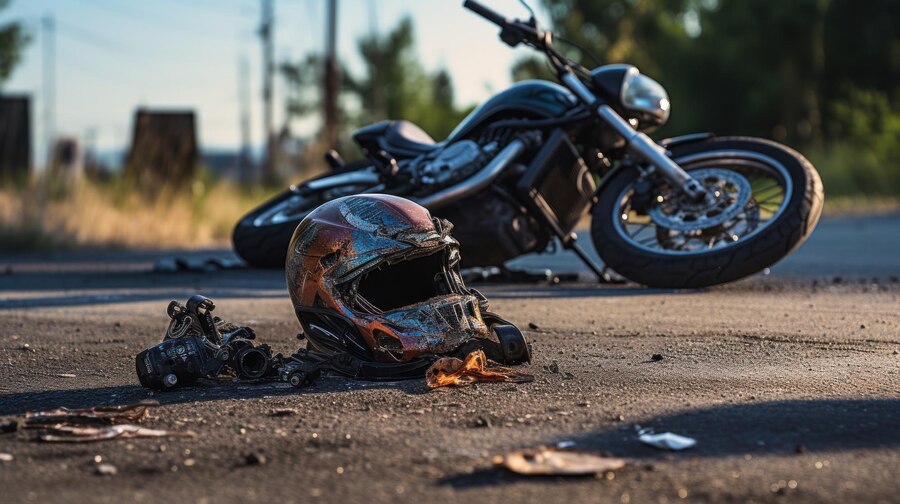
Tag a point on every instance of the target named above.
point(536, 99)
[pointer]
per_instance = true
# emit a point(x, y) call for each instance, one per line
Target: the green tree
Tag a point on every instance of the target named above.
point(12, 40)
point(392, 85)
point(820, 75)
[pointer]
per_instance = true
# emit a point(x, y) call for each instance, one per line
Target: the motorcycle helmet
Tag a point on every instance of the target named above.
point(375, 283)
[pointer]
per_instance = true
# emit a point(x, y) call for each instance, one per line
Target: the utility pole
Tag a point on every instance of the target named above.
point(266, 30)
point(244, 163)
point(48, 31)
point(332, 78)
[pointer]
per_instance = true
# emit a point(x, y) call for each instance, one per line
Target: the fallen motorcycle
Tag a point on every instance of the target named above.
point(523, 168)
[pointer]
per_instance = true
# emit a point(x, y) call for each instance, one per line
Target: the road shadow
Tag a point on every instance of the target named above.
point(17, 404)
point(580, 290)
point(79, 288)
point(761, 428)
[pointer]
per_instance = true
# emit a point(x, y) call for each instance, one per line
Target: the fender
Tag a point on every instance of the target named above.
point(668, 143)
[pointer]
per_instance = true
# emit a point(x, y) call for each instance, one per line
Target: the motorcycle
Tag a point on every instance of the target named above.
point(520, 172)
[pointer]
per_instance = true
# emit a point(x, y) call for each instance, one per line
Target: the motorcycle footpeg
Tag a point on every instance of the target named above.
point(384, 163)
point(334, 159)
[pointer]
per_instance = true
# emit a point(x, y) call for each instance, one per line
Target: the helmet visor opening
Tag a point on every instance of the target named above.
point(404, 283)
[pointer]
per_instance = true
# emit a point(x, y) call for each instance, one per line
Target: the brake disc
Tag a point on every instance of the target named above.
point(727, 194)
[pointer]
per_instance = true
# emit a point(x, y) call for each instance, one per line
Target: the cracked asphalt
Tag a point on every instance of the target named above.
point(790, 382)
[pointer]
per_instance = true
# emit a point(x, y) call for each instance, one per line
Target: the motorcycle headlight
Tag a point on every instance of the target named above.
point(646, 97)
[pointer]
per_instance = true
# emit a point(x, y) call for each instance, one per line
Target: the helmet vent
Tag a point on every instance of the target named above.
point(404, 283)
point(389, 344)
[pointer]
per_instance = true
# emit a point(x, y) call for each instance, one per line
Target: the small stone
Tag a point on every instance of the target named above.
point(800, 448)
point(189, 462)
point(255, 459)
point(553, 367)
point(482, 422)
point(862, 326)
point(106, 469)
point(6, 457)
point(656, 357)
point(533, 326)
point(27, 347)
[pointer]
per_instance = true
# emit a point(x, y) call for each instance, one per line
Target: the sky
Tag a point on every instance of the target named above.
point(113, 56)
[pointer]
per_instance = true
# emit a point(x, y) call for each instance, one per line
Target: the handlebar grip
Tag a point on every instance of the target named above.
point(485, 12)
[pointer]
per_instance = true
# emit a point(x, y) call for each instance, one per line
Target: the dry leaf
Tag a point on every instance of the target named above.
point(74, 434)
point(128, 413)
point(476, 368)
point(554, 462)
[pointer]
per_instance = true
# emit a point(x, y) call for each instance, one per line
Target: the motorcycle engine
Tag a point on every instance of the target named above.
point(449, 165)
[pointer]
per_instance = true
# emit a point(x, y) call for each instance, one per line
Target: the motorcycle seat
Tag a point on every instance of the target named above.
point(398, 138)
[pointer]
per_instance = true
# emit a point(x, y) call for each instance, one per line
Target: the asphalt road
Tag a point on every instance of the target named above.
point(790, 382)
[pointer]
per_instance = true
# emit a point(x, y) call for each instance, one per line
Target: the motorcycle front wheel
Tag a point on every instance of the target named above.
point(763, 200)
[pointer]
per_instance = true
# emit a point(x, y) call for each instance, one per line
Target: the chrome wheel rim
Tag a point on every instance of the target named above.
point(754, 190)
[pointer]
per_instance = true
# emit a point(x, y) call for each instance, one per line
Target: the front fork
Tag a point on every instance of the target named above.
point(637, 142)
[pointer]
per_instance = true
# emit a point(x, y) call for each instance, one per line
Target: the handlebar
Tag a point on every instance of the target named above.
point(514, 32)
point(486, 13)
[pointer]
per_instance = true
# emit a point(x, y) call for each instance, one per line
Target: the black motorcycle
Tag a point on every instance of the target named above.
point(523, 168)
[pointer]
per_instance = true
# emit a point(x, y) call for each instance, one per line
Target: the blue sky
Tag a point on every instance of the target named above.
point(116, 55)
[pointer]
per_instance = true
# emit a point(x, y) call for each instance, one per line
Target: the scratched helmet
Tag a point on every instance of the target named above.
point(375, 283)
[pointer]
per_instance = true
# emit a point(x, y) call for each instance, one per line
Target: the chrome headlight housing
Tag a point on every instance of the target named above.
point(646, 98)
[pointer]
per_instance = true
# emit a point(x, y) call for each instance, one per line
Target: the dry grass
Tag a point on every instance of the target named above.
point(108, 215)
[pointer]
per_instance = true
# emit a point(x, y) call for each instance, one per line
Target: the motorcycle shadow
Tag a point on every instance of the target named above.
point(17, 404)
point(517, 291)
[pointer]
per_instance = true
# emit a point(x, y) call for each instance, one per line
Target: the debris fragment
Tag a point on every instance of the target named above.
point(555, 462)
point(85, 434)
point(105, 469)
point(104, 415)
point(476, 368)
point(255, 459)
point(6, 457)
point(66, 375)
point(667, 441)
point(656, 357)
point(533, 326)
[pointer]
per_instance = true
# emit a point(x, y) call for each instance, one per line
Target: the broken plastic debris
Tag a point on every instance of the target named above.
point(667, 441)
point(128, 413)
point(476, 368)
point(76, 434)
point(555, 462)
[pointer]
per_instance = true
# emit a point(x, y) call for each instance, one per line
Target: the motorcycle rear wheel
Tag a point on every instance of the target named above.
point(262, 236)
point(765, 200)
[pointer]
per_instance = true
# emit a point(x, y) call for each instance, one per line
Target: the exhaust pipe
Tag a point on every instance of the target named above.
point(480, 180)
